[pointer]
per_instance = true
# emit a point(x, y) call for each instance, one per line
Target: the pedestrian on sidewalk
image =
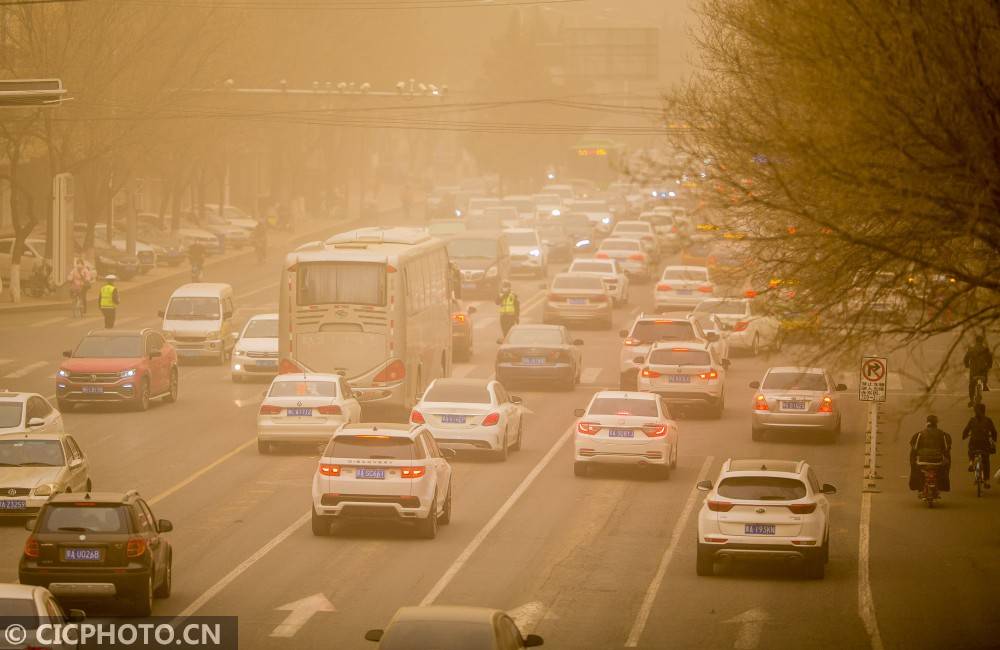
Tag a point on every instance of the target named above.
point(108, 301)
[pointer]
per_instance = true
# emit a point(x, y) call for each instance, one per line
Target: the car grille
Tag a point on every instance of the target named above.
point(94, 377)
point(14, 492)
point(262, 355)
point(190, 339)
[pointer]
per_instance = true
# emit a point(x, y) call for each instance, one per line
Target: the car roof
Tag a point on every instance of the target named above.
point(15, 396)
point(606, 240)
point(17, 592)
point(685, 268)
point(446, 613)
point(757, 465)
point(659, 318)
point(201, 289)
point(694, 345)
point(456, 381)
point(263, 317)
point(98, 497)
point(625, 394)
point(31, 435)
point(632, 222)
point(802, 370)
point(308, 376)
point(117, 333)
point(396, 429)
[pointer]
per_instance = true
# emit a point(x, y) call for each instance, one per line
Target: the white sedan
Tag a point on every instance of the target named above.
point(256, 351)
point(744, 325)
point(630, 428)
point(471, 414)
point(22, 412)
point(610, 273)
point(305, 408)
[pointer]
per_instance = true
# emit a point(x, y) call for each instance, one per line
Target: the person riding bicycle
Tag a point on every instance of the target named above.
point(978, 359)
point(930, 444)
point(982, 435)
point(196, 256)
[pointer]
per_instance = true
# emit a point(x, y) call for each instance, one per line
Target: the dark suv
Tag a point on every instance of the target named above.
point(97, 547)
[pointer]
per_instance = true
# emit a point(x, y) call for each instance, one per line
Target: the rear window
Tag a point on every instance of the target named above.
point(762, 488)
point(794, 381)
point(454, 392)
point(10, 414)
point(98, 518)
point(726, 307)
point(372, 446)
point(355, 283)
point(439, 635)
point(648, 331)
point(303, 389)
point(620, 245)
point(22, 608)
point(578, 282)
point(534, 336)
point(697, 275)
point(680, 357)
point(592, 267)
point(623, 406)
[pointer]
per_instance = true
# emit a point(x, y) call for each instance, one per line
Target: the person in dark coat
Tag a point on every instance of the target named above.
point(930, 442)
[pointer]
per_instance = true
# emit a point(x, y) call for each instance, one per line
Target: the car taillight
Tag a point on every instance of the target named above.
point(599, 298)
point(601, 256)
point(329, 470)
point(739, 326)
point(491, 419)
point(802, 508)
point(632, 341)
point(554, 298)
point(760, 403)
point(655, 430)
point(711, 373)
point(706, 288)
point(416, 417)
point(552, 355)
point(826, 406)
point(720, 506)
point(637, 257)
point(588, 428)
point(287, 367)
point(395, 371)
point(268, 409)
point(458, 318)
point(412, 472)
point(649, 373)
point(31, 547)
point(663, 287)
point(135, 547)
point(331, 409)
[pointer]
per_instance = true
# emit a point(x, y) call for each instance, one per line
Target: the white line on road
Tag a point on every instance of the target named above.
point(267, 287)
point(201, 472)
point(866, 603)
point(495, 520)
point(31, 367)
point(590, 375)
point(668, 554)
point(49, 321)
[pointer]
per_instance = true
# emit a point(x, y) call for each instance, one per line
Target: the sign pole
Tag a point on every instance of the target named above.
point(872, 389)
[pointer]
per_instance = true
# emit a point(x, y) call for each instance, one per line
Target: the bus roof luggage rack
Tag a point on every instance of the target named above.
point(380, 236)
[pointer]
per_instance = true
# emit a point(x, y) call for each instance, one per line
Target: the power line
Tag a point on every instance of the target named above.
point(347, 5)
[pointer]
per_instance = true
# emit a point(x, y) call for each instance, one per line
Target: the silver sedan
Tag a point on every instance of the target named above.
point(795, 399)
point(34, 466)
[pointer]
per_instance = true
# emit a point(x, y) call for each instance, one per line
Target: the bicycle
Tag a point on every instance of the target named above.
point(77, 304)
point(977, 393)
point(978, 473)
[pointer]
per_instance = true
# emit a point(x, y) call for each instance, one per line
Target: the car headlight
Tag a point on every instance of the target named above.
point(212, 335)
point(534, 252)
point(582, 242)
point(45, 490)
point(62, 373)
point(491, 272)
point(556, 212)
point(605, 220)
point(128, 373)
point(458, 213)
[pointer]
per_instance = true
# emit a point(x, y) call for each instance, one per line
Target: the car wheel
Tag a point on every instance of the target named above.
point(705, 562)
point(222, 355)
point(520, 434)
point(64, 406)
point(163, 590)
point(673, 460)
point(320, 524)
point(778, 341)
point(608, 323)
point(90, 486)
point(756, 434)
point(263, 447)
point(755, 346)
point(580, 469)
point(171, 397)
point(500, 455)
point(142, 603)
point(428, 526)
point(814, 566)
point(624, 300)
point(142, 399)
point(826, 549)
point(445, 517)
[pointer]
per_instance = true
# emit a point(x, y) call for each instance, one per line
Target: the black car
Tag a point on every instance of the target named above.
point(539, 353)
point(100, 546)
point(557, 239)
point(482, 260)
point(109, 260)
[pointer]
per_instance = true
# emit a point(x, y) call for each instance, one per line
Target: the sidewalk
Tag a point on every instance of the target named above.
point(306, 230)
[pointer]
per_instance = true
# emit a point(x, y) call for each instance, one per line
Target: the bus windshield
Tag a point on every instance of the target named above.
point(356, 283)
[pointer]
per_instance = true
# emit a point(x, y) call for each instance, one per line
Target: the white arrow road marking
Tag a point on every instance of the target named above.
point(590, 375)
point(751, 624)
point(528, 615)
point(299, 613)
point(31, 367)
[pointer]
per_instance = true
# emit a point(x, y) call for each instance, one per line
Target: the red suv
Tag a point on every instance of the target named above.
point(130, 366)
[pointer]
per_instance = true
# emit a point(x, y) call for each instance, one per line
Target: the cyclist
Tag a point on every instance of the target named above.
point(978, 359)
point(982, 435)
point(930, 443)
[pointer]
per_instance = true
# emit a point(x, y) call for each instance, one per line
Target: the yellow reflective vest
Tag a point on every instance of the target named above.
point(507, 303)
point(107, 297)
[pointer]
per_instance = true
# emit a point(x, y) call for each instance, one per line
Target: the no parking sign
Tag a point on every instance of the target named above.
point(872, 379)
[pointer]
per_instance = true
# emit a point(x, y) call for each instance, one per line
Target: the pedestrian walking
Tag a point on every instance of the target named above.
point(108, 301)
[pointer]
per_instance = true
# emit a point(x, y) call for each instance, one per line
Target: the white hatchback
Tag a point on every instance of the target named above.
point(305, 408)
point(383, 471)
point(24, 412)
point(629, 254)
point(610, 273)
point(765, 509)
point(625, 428)
point(256, 351)
point(744, 325)
point(685, 373)
point(471, 414)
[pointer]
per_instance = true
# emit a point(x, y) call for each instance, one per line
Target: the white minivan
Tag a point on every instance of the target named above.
point(198, 320)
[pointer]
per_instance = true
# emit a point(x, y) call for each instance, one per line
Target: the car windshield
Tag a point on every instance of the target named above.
point(620, 245)
point(262, 328)
point(686, 275)
point(762, 488)
point(447, 391)
point(658, 219)
point(31, 453)
point(374, 445)
point(303, 389)
point(725, 307)
point(623, 406)
point(109, 347)
point(94, 518)
point(193, 309)
point(794, 381)
point(439, 635)
point(592, 267)
point(585, 282)
point(521, 238)
point(648, 331)
point(10, 414)
point(485, 248)
point(534, 336)
point(679, 357)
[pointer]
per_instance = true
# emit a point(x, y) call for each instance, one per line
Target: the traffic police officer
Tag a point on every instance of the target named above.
point(108, 301)
point(510, 307)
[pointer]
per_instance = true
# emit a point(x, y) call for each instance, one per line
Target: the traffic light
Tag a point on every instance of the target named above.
point(15, 93)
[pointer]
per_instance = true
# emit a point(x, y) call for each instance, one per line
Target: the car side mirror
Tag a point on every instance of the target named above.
point(841, 388)
point(712, 336)
point(164, 526)
point(76, 616)
point(533, 641)
point(578, 413)
point(447, 452)
point(67, 353)
point(500, 341)
point(828, 489)
point(30, 524)
point(578, 342)
point(76, 462)
point(35, 422)
point(515, 399)
point(623, 333)
point(153, 354)
point(726, 363)
point(160, 313)
point(471, 310)
point(755, 384)
point(704, 486)
point(638, 359)
point(374, 635)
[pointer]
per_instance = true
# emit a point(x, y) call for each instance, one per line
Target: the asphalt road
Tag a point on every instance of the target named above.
point(600, 562)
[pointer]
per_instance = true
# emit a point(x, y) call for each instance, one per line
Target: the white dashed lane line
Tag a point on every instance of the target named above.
point(26, 370)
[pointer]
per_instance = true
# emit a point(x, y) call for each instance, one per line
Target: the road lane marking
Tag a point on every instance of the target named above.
point(590, 375)
point(751, 624)
point(267, 287)
point(201, 472)
point(495, 520)
point(668, 554)
point(28, 369)
point(866, 602)
point(49, 321)
point(241, 568)
point(299, 613)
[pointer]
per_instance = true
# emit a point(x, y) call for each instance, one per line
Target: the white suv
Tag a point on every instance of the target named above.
point(686, 373)
point(383, 471)
point(765, 509)
point(682, 288)
point(613, 277)
point(647, 330)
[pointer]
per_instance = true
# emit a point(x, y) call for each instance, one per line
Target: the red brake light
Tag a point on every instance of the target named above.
point(760, 403)
point(710, 374)
point(601, 256)
point(31, 547)
point(491, 419)
point(331, 409)
point(739, 326)
point(649, 374)
point(288, 367)
point(655, 430)
point(706, 288)
point(395, 371)
point(416, 417)
point(268, 409)
point(663, 287)
point(802, 508)
point(136, 547)
point(637, 257)
point(750, 293)
point(720, 506)
point(553, 298)
point(458, 317)
point(599, 298)
point(588, 428)
point(826, 406)
point(329, 470)
point(412, 472)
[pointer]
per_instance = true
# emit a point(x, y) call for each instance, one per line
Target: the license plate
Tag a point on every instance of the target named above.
point(758, 529)
point(364, 472)
point(533, 361)
point(268, 363)
point(468, 285)
point(82, 554)
point(679, 379)
point(453, 419)
point(296, 412)
point(187, 353)
point(793, 406)
point(93, 389)
point(683, 292)
point(621, 433)
point(7, 504)
point(577, 301)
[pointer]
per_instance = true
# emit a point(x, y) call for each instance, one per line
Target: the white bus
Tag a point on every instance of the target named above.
point(373, 305)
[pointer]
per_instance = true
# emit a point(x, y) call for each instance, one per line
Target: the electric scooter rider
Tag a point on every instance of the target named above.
point(930, 444)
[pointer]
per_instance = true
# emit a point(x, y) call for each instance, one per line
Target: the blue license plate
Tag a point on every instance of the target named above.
point(758, 529)
point(577, 301)
point(7, 504)
point(453, 419)
point(268, 363)
point(468, 285)
point(621, 433)
point(93, 389)
point(679, 379)
point(793, 406)
point(533, 361)
point(297, 412)
point(364, 472)
point(82, 554)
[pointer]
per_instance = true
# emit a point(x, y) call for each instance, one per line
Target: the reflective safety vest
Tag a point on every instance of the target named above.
point(107, 297)
point(507, 303)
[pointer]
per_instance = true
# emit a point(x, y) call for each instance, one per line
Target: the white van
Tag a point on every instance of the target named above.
point(199, 320)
